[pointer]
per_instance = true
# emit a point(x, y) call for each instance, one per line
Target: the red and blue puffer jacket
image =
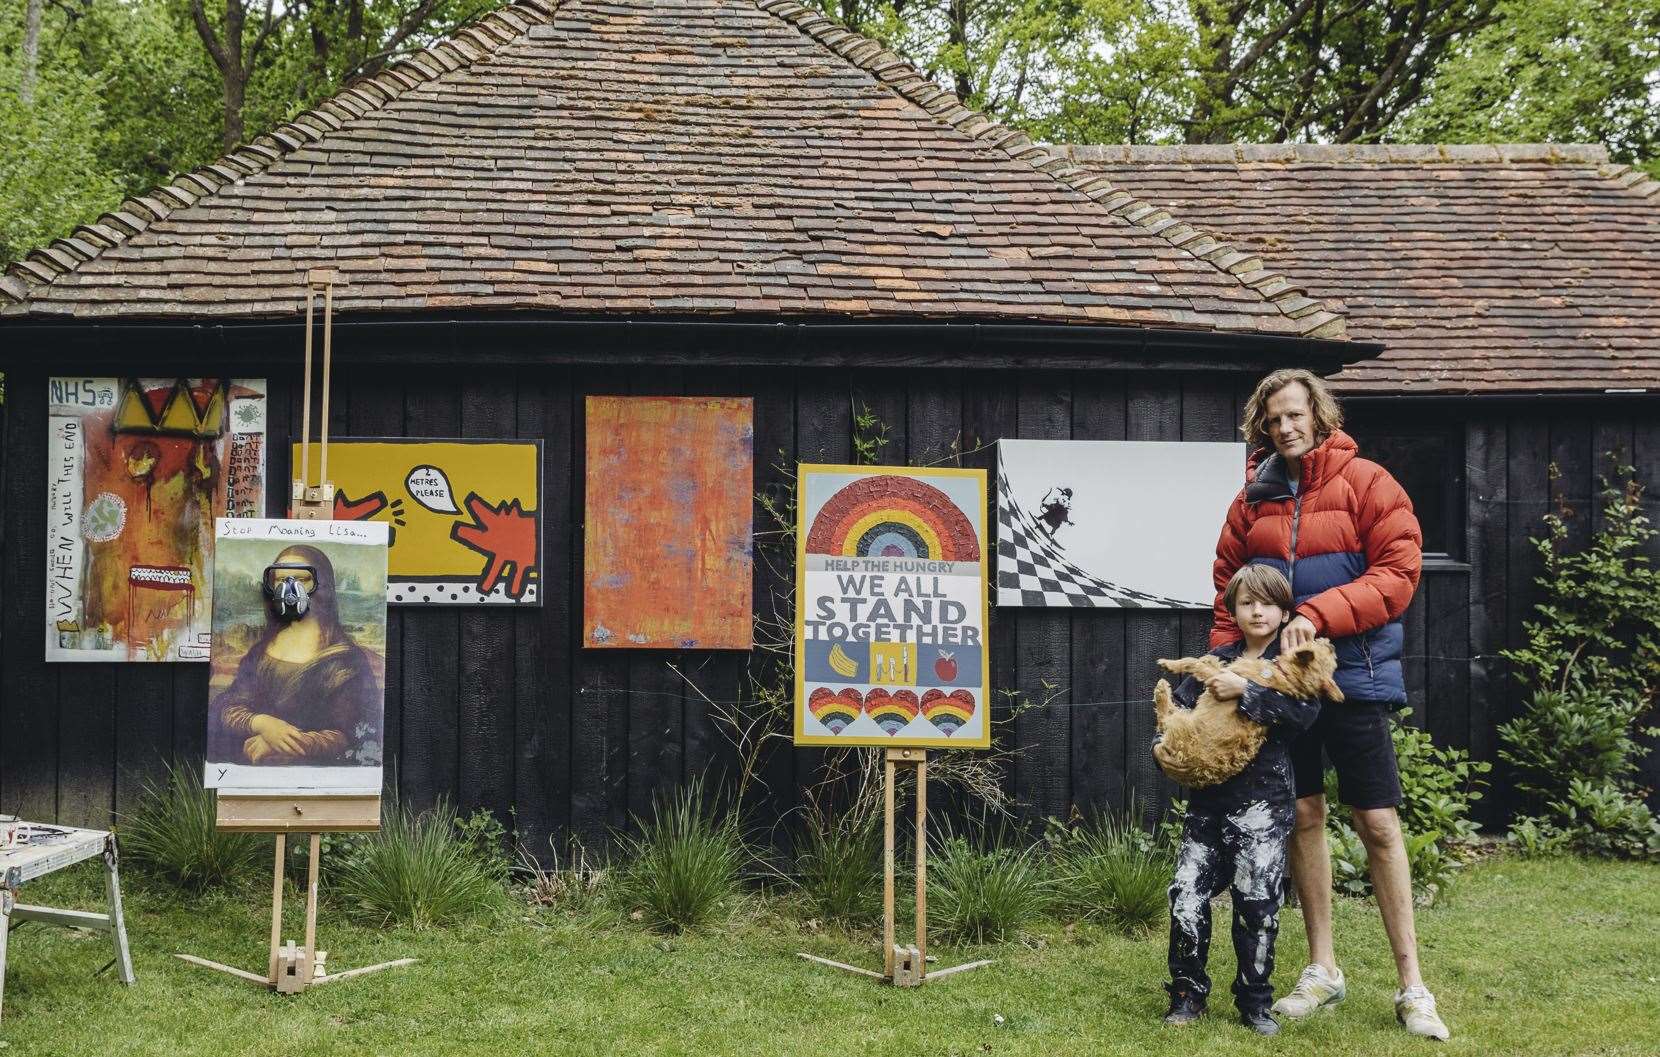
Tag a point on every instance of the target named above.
point(1350, 545)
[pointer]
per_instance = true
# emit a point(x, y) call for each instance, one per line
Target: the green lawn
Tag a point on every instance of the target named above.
point(1548, 958)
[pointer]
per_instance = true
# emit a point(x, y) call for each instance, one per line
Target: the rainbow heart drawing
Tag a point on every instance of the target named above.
point(835, 710)
point(948, 712)
point(892, 710)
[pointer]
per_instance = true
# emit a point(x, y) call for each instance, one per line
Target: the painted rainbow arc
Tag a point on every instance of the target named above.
point(893, 515)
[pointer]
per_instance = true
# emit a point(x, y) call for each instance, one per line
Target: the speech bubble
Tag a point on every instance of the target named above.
point(431, 489)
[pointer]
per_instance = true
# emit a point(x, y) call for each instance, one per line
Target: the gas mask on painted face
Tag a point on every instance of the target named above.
point(289, 587)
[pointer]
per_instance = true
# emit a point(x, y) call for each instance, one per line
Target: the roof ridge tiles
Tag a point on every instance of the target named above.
point(1313, 319)
point(1358, 153)
point(352, 102)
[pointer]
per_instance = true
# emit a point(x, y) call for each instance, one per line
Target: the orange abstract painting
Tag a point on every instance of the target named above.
point(667, 558)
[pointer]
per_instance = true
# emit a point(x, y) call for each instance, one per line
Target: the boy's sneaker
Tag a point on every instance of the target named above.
point(1186, 1005)
point(1415, 1009)
point(1259, 1021)
point(1315, 989)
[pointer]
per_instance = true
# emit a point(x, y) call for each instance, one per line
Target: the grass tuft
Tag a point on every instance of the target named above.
point(682, 871)
point(418, 870)
point(838, 860)
point(172, 831)
point(1112, 871)
point(985, 891)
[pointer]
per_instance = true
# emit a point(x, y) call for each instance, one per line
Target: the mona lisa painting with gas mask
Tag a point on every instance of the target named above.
point(296, 700)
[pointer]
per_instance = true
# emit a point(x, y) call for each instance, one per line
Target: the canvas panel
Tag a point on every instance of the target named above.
point(464, 516)
point(891, 607)
point(667, 558)
point(298, 705)
point(137, 471)
point(1114, 524)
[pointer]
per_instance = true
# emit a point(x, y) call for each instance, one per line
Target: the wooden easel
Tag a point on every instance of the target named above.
point(291, 968)
point(905, 966)
point(306, 501)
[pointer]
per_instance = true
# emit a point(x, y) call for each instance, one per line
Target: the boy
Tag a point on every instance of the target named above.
point(1235, 832)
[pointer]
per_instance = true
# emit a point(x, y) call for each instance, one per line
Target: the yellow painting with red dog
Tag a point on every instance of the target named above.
point(464, 515)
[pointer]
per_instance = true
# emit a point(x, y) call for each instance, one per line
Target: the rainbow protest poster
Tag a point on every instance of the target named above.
point(891, 608)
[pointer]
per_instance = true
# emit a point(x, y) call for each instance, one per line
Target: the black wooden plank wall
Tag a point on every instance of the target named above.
point(1521, 465)
point(501, 708)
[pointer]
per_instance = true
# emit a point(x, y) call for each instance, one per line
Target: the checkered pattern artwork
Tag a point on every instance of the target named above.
point(1033, 571)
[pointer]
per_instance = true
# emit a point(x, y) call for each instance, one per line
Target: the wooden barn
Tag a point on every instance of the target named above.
point(1516, 291)
point(704, 197)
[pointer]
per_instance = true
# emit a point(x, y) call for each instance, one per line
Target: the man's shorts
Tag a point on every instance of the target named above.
point(1355, 737)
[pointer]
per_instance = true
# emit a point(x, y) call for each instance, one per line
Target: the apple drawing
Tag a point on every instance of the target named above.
point(945, 666)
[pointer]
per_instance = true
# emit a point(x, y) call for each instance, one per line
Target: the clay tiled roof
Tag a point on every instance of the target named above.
point(656, 156)
point(1521, 268)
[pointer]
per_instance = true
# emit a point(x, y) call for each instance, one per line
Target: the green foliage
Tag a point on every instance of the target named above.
point(418, 869)
point(682, 872)
point(1592, 669)
point(1109, 869)
point(1559, 71)
point(838, 862)
point(1438, 786)
point(985, 890)
point(870, 435)
point(488, 839)
point(52, 173)
point(173, 832)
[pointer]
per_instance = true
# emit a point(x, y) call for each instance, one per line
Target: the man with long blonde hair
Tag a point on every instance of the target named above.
point(1343, 532)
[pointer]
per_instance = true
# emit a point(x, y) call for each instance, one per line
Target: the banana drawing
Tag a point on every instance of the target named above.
point(841, 663)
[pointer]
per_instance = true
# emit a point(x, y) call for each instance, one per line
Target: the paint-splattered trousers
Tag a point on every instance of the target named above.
point(1242, 848)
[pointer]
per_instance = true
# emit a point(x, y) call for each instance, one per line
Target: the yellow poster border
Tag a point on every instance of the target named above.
point(802, 738)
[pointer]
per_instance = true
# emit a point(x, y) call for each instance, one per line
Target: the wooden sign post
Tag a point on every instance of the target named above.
point(903, 966)
point(292, 968)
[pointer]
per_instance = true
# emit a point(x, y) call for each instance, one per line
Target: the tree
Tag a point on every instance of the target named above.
point(31, 52)
point(51, 175)
point(234, 54)
point(1565, 71)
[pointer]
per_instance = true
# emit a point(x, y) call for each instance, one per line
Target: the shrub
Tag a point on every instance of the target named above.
point(838, 861)
point(484, 833)
point(985, 893)
point(1438, 786)
point(1111, 870)
point(417, 870)
point(172, 831)
point(683, 870)
point(1592, 667)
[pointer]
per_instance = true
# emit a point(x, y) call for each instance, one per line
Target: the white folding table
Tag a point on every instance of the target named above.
point(45, 850)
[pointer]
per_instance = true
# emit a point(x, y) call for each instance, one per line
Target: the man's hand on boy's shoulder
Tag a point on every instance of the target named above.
point(1300, 632)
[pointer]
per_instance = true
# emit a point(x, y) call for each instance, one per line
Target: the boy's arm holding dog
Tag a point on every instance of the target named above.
point(1270, 707)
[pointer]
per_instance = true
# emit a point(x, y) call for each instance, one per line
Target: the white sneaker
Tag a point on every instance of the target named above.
point(1315, 989)
point(1415, 1009)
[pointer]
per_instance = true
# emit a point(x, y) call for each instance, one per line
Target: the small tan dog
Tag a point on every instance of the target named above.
point(1212, 741)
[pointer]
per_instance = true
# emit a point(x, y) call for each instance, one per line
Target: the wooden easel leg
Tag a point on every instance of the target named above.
point(887, 867)
point(922, 865)
point(308, 970)
point(118, 919)
point(276, 906)
point(903, 966)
